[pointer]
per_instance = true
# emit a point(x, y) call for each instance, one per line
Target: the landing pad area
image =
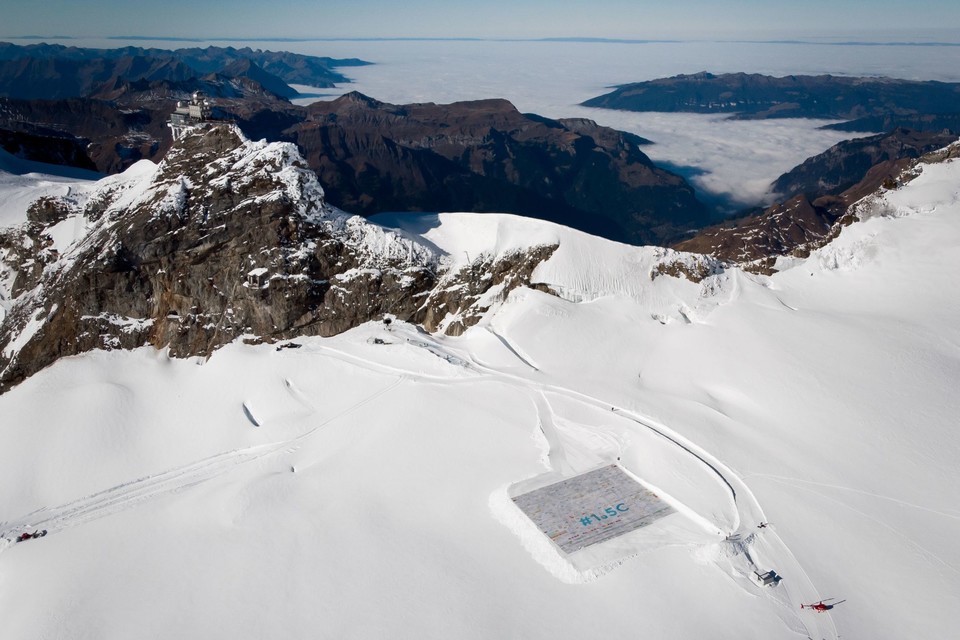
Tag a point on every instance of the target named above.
point(591, 508)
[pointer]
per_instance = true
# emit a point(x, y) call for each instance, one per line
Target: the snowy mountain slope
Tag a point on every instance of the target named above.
point(371, 500)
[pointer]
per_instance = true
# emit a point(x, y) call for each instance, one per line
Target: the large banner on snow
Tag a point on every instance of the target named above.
point(591, 508)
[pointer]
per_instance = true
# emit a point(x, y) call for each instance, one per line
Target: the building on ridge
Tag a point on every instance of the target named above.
point(188, 114)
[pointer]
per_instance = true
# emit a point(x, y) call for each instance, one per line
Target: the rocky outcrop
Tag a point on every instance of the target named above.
point(462, 297)
point(845, 164)
point(754, 243)
point(482, 156)
point(758, 96)
point(51, 149)
point(485, 156)
point(226, 239)
point(800, 225)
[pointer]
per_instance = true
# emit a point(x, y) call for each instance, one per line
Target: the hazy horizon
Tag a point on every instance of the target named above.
point(877, 20)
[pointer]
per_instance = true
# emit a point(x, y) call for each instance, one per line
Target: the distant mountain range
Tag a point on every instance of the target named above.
point(373, 157)
point(486, 156)
point(479, 156)
point(755, 96)
point(51, 72)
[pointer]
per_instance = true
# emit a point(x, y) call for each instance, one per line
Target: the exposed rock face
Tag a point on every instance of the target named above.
point(760, 96)
point(227, 238)
point(846, 163)
point(462, 297)
point(798, 226)
point(51, 149)
point(166, 261)
point(113, 137)
point(755, 242)
point(487, 156)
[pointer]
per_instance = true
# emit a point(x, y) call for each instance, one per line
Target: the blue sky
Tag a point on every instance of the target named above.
point(706, 19)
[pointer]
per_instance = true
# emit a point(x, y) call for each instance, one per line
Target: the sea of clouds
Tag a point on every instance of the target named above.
point(731, 163)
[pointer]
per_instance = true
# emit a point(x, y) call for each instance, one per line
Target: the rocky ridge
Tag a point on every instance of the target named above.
point(372, 157)
point(49, 71)
point(846, 163)
point(803, 224)
point(486, 156)
point(225, 239)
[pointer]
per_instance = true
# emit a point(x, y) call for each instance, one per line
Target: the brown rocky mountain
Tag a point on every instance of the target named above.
point(127, 120)
point(805, 222)
point(374, 157)
point(50, 149)
point(487, 156)
point(846, 163)
point(225, 239)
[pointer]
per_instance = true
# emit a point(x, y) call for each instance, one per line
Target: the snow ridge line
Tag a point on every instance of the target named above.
point(556, 455)
point(513, 349)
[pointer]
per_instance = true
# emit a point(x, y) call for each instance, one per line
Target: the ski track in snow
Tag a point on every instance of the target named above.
point(795, 588)
point(796, 583)
point(800, 484)
point(798, 481)
point(130, 494)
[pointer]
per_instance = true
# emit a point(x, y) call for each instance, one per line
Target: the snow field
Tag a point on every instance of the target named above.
point(371, 500)
point(383, 528)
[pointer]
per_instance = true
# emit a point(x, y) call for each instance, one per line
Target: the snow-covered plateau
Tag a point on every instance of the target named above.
point(358, 486)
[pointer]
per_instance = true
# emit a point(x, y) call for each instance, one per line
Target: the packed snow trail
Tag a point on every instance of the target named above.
point(742, 538)
point(796, 583)
point(129, 494)
point(923, 551)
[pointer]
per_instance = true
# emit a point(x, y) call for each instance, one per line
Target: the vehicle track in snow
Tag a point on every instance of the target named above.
point(130, 494)
point(797, 585)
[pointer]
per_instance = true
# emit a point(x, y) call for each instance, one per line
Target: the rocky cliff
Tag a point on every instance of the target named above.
point(481, 156)
point(225, 239)
point(845, 164)
point(803, 223)
point(486, 156)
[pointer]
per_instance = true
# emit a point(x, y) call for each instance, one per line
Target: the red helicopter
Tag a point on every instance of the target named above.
point(822, 606)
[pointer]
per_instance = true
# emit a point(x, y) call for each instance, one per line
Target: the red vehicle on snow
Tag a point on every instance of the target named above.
point(822, 606)
point(30, 536)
